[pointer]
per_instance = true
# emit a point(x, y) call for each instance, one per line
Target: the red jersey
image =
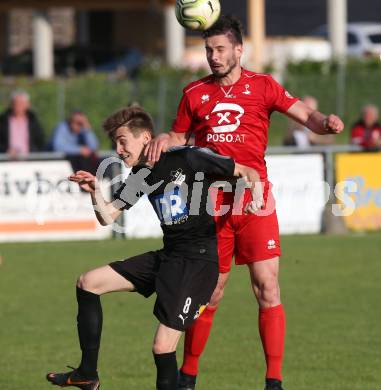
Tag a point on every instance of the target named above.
point(233, 120)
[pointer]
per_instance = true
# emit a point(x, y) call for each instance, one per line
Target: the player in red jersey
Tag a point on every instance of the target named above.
point(229, 111)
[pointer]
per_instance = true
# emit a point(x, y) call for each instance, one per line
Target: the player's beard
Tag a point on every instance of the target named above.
point(232, 63)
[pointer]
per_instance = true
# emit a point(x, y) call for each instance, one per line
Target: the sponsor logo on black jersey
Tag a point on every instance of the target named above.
point(171, 207)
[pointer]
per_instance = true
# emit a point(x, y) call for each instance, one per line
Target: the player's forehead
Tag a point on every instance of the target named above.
point(122, 132)
point(215, 41)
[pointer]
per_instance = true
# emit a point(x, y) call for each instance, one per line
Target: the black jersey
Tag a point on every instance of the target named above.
point(177, 187)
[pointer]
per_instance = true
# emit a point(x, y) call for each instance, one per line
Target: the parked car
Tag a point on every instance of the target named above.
point(363, 38)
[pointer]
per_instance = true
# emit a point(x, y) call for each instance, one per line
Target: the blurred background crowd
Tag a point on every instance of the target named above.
point(99, 63)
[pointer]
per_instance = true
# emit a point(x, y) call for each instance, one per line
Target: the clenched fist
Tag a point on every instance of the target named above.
point(333, 124)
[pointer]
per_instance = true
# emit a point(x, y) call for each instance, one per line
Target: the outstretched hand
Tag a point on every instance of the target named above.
point(85, 180)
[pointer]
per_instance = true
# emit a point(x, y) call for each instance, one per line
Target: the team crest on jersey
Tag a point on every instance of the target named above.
point(178, 177)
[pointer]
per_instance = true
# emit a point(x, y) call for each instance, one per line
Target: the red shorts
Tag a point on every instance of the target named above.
point(247, 237)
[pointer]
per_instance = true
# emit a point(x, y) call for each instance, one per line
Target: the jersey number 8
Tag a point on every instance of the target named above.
point(186, 307)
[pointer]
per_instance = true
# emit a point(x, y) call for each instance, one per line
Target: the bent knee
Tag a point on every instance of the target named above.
point(85, 282)
point(269, 292)
point(160, 348)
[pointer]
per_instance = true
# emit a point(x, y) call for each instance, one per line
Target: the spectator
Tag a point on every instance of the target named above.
point(302, 137)
point(75, 138)
point(20, 129)
point(367, 131)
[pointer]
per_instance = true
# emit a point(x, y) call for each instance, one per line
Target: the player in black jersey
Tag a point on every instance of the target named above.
point(184, 272)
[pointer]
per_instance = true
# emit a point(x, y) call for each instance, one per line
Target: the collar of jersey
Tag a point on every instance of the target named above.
point(238, 82)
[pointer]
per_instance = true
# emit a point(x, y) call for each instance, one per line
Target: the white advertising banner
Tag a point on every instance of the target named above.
point(299, 190)
point(37, 202)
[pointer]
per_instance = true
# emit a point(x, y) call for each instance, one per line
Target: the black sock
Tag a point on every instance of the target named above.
point(89, 324)
point(166, 365)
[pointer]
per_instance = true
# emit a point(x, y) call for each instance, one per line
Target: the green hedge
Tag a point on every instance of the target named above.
point(362, 86)
point(159, 90)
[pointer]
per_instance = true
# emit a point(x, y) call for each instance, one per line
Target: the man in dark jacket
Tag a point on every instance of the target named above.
point(20, 129)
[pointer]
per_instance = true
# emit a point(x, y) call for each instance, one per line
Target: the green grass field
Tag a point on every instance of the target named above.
point(330, 286)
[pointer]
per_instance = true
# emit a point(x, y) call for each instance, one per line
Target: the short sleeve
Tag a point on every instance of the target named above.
point(184, 118)
point(213, 164)
point(277, 97)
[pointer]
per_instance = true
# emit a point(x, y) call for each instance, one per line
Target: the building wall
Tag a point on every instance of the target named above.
point(144, 28)
point(114, 29)
point(299, 17)
point(139, 29)
point(3, 34)
point(283, 20)
point(20, 29)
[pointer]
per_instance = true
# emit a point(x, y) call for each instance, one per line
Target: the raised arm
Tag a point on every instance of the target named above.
point(315, 120)
point(106, 212)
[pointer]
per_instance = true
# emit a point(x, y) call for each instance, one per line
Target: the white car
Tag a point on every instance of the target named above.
point(363, 38)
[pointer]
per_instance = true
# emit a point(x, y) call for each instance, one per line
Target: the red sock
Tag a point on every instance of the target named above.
point(272, 328)
point(195, 340)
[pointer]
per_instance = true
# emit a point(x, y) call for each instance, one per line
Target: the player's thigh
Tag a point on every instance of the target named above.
point(257, 238)
point(166, 339)
point(218, 292)
point(225, 242)
point(224, 229)
point(103, 280)
point(140, 270)
point(184, 287)
point(265, 270)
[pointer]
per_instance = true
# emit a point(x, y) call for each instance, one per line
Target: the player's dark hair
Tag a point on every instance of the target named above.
point(226, 25)
point(134, 117)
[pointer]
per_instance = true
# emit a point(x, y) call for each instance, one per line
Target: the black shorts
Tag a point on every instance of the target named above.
point(183, 284)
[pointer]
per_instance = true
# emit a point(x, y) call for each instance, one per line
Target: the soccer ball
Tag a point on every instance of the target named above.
point(197, 14)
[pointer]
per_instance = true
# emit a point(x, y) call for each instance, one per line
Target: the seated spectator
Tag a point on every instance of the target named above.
point(367, 131)
point(20, 129)
point(302, 137)
point(75, 138)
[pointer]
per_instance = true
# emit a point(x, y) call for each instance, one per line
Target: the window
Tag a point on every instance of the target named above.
point(375, 38)
point(352, 39)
